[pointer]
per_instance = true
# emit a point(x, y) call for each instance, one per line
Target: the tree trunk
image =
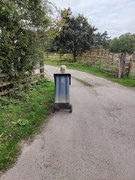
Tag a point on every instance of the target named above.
point(74, 56)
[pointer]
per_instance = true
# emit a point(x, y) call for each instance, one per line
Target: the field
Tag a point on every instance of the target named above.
point(97, 68)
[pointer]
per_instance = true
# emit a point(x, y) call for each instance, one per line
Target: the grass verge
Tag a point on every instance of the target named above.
point(83, 82)
point(21, 117)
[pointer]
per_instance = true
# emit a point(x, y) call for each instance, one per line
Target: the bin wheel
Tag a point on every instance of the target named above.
point(70, 108)
point(53, 109)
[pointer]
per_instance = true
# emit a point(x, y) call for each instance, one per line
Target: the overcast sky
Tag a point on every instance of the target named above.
point(117, 17)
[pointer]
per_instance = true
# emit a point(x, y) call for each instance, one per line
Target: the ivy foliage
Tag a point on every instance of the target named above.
point(19, 22)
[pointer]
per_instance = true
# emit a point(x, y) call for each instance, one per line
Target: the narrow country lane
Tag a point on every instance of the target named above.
point(94, 142)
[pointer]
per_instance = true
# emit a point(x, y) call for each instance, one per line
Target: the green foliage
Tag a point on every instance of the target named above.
point(76, 36)
point(23, 121)
point(101, 40)
point(125, 43)
point(19, 21)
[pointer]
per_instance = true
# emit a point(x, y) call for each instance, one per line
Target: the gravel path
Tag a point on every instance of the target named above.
point(94, 142)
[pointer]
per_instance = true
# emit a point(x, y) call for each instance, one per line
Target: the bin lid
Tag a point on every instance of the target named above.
point(63, 74)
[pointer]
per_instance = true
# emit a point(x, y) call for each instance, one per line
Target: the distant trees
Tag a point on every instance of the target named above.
point(101, 40)
point(76, 36)
point(125, 43)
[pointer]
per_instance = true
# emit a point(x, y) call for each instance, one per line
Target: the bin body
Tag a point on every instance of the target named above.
point(62, 82)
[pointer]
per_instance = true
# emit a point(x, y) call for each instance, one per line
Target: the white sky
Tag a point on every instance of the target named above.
point(117, 17)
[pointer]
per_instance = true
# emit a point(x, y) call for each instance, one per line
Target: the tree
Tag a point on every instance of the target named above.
point(76, 36)
point(19, 21)
point(124, 44)
point(114, 45)
point(101, 40)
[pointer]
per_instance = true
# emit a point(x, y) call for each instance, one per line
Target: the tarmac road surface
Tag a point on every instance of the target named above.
point(94, 142)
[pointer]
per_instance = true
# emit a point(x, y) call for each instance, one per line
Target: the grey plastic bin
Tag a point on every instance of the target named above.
point(62, 92)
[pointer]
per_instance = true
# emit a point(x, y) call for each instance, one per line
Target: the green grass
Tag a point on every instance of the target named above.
point(21, 117)
point(83, 82)
point(66, 60)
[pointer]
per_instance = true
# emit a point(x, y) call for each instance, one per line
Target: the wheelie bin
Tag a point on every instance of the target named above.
point(62, 92)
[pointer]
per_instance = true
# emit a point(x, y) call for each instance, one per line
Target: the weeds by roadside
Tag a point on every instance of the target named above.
point(20, 117)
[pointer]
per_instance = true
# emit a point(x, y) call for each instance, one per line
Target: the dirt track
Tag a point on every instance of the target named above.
point(95, 142)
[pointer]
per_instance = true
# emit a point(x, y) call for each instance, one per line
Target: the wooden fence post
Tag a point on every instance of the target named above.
point(130, 67)
point(41, 64)
point(121, 66)
point(42, 68)
point(112, 59)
